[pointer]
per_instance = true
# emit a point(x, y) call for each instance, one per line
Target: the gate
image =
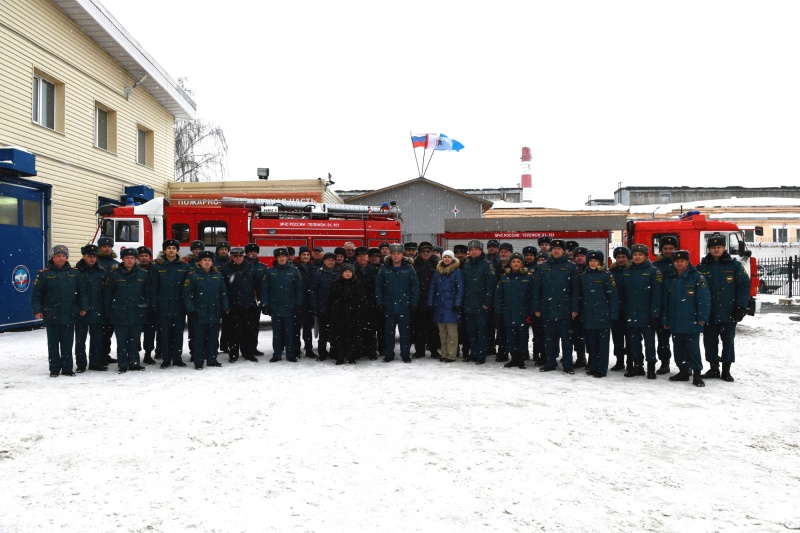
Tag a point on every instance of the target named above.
point(24, 230)
point(779, 275)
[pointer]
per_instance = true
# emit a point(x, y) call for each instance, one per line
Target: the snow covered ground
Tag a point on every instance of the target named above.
point(400, 447)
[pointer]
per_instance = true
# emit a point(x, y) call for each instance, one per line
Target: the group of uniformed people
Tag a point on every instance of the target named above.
point(356, 298)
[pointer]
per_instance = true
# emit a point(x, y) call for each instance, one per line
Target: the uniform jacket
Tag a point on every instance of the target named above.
point(367, 276)
point(168, 279)
point(599, 299)
point(220, 261)
point(556, 289)
point(205, 292)
point(397, 288)
point(240, 282)
point(281, 290)
point(108, 261)
point(127, 296)
point(307, 273)
point(513, 297)
point(618, 272)
point(729, 285)
point(479, 284)
point(323, 278)
point(688, 301)
point(446, 292)
point(425, 271)
point(349, 306)
point(259, 271)
point(663, 264)
point(56, 294)
point(91, 290)
point(641, 291)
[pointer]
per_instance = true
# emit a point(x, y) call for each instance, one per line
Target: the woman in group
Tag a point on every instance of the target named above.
point(348, 307)
point(446, 296)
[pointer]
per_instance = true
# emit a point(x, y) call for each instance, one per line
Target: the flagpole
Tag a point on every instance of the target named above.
point(429, 163)
point(415, 153)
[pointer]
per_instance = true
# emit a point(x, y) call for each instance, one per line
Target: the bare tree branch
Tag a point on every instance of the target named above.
point(200, 149)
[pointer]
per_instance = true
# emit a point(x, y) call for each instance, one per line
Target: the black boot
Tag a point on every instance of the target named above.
point(713, 371)
point(637, 370)
point(513, 362)
point(251, 358)
point(682, 375)
point(664, 369)
point(148, 360)
point(580, 362)
point(521, 360)
point(726, 373)
point(620, 364)
point(310, 352)
point(651, 370)
point(697, 379)
point(501, 359)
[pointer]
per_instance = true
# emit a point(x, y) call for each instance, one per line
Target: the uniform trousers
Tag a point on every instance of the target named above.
point(517, 339)
point(283, 336)
point(206, 338)
point(635, 338)
point(477, 326)
point(95, 334)
point(403, 324)
point(687, 350)
point(128, 346)
point(555, 330)
point(664, 353)
point(597, 341)
point(59, 347)
point(712, 333)
point(171, 331)
point(619, 337)
point(253, 323)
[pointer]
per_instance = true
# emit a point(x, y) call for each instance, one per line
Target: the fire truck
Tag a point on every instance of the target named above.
point(270, 223)
point(692, 230)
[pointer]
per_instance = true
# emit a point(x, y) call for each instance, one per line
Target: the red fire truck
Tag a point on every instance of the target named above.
point(270, 223)
point(692, 229)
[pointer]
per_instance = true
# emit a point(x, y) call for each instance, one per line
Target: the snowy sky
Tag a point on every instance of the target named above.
point(685, 92)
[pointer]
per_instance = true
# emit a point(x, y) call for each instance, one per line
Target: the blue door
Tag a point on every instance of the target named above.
point(23, 234)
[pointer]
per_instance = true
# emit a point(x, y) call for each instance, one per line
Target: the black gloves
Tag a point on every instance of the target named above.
point(655, 323)
point(193, 315)
point(739, 314)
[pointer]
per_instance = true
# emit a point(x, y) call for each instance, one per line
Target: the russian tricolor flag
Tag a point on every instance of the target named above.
point(419, 140)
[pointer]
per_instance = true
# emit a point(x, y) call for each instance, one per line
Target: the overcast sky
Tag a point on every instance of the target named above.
point(643, 93)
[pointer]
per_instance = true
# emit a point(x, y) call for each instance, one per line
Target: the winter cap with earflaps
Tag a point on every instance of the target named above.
point(59, 249)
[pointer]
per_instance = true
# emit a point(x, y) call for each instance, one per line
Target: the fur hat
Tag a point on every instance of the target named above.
point(223, 244)
point(132, 252)
point(529, 250)
point(641, 248)
point(681, 254)
point(507, 246)
point(206, 254)
point(668, 239)
point(622, 250)
point(89, 249)
point(59, 249)
point(475, 243)
point(596, 254)
point(145, 250)
point(544, 240)
point(105, 241)
point(716, 239)
point(395, 248)
point(170, 242)
point(197, 245)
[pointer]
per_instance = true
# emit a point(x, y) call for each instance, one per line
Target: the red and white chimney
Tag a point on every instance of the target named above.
point(527, 181)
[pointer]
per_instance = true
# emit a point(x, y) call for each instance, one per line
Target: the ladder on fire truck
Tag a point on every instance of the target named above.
point(269, 208)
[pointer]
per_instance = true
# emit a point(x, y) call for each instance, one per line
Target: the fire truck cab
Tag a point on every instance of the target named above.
point(692, 230)
point(267, 222)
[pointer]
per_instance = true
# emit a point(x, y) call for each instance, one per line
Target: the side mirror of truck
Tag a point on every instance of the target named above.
point(759, 230)
point(741, 248)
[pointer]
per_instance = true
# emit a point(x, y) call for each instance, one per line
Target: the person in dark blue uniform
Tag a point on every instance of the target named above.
point(667, 246)
point(128, 301)
point(304, 322)
point(513, 299)
point(91, 288)
point(730, 296)
point(240, 282)
point(537, 323)
point(480, 283)
point(641, 291)
point(622, 257)
point(107, 258)
point(149, 340)
point(170, 273)
point(687, 307)
point(366, 274)
point(282, 299)
point(500, 264)
point(254, 320)
point(55, 298)
point(205, 299)
point(397, 293)
point(320, 293)
point(578, 255)
point(599, 307)
point(556, 299)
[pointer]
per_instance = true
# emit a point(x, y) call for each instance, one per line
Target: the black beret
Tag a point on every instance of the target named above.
point(206, 254)
point(132, 252)
point(460, 248)
point(622, 250)
point(681, 254)
point(668, 239)
point(171, 242)
point(580, 250)
point(89, 249)
point(543, 240)
point(507, 246)
point(716, 240)
point(492, 242)
point(145, 250)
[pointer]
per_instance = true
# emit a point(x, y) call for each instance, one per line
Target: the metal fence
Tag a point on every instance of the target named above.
point(779, 275)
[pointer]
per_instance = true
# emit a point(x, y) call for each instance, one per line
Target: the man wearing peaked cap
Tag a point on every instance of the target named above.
point(56, 298)
point(729, 286)
point(410, 249)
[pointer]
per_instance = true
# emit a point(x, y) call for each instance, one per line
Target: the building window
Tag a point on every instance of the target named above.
point(780, 235)
point(144, 146)
point(749, 235)
point(105, 128)
point(213, 231)
point(48, 102)
point(180, 232)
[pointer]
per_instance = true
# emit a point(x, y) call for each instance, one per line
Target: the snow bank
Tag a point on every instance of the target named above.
point(400, 447)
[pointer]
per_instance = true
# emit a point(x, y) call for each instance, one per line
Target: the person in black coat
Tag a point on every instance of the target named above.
point(322, 282)
point(304, 322)
point(367, 274)
point(348, 310)
point(240, 281)
point(423, 333)
point(91, 279)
